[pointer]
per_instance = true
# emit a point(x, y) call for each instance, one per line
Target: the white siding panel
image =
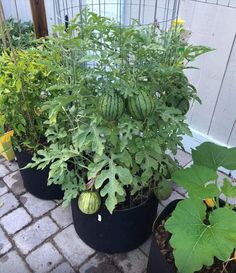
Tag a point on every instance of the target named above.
point(23, 9)
point(212, 26)
point(225, 112)
point(232, 136)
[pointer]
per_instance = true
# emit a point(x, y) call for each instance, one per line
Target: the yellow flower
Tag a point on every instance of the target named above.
point(178, 23)
point(210, 202)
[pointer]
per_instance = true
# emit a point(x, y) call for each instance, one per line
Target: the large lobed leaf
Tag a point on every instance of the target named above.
point(196, 244)
point(214, 156)
point(199, 181)
point(111, 182)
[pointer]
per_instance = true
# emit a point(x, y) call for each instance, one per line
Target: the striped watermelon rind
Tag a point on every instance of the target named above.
point(141, 106)
point(89, 202)
point(111, 106)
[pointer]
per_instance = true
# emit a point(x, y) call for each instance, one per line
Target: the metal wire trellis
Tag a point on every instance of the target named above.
point(224, 3)
point(124, 12)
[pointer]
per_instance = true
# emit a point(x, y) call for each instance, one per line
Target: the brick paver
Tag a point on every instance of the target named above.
point(133, 262)
point(99, 264)
point(15, 220)
point(5, 244)
point(63, 268)
point(36, 206)
point(62, 216)
point(3, 188)
point(72, 247)
point(8, 202)
point(37, 236)
point(44, 258)
point(32, 236)
point(3, 171)
point(15, 183)
point(11, 165)
point(13, 263)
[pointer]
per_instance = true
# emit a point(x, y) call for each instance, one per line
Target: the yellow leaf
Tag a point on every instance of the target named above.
point(52, 120)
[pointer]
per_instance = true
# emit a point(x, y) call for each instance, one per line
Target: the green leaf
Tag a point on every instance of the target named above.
point(196, 181)
point(146, 175)
point(95, 168)
point(228, 189)
point(88, 137)
point(154, 144)
point(196, 244)
point(125, 158)
point(214, 156)
point(111, 183)
point(18, 85)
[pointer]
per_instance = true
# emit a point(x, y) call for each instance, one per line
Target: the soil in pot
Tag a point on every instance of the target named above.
point(162, 237)
point(122, 231)
point(35, 181)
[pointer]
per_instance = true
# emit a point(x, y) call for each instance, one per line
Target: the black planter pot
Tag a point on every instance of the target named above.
point(156, 261)
point(35, 181)
point(122, 231)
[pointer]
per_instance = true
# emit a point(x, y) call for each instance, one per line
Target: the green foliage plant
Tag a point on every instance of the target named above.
point(21, 34)
point(25, 76)
point(122, 159)
point(202, 231)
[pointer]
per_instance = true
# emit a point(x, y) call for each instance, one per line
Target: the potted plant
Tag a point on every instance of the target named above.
point(198, 234)
point(25, 76)
point(109, 135)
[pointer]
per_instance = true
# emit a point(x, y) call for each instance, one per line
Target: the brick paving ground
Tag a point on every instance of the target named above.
point(38, 236)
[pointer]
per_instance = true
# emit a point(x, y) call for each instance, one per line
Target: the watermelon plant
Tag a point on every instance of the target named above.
point(112, 122)
point(204, 231)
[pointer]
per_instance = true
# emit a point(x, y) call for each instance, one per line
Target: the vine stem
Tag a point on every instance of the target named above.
point(224, 267)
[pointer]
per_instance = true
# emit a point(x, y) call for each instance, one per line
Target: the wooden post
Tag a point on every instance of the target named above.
point(39, 18)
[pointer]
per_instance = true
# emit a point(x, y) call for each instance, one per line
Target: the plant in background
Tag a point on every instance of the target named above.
point(110, 132)
point(21, 34)
point(202, 232)
point(25, 76)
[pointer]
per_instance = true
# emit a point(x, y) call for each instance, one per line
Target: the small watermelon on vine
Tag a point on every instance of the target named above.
point(89, 202)
point(141, 106)
point(163, 190)
point(111, 106)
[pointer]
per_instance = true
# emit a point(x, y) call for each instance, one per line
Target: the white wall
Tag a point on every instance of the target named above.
point(213, 26)
point(23, 9)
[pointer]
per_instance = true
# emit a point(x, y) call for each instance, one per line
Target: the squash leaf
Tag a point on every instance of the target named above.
point(228, 189)
point(199, 181)
point(195, 243)
point(214, 156)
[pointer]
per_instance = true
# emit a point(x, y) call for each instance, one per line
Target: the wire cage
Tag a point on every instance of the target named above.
point(161, 12)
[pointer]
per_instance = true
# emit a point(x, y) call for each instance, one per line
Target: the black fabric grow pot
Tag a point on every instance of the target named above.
point(122, 231)
point(35, 181)
point(156, 261)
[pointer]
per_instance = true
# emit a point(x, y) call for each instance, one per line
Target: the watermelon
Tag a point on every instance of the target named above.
point(111, 106)
point(89, 202)
point(163, 190)
point(141, 106)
